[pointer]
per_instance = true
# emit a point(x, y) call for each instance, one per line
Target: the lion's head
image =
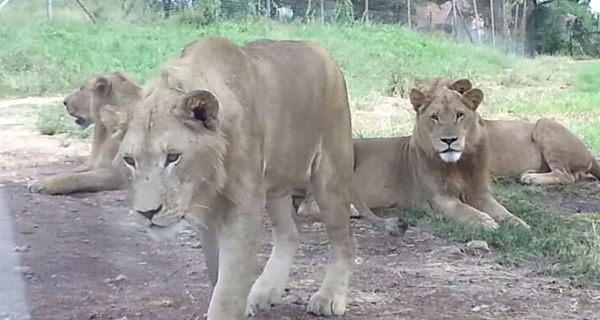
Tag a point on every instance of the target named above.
point(447, 124)
point(113, 89)
point(174, 147)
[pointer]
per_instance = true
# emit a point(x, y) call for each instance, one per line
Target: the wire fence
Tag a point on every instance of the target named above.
point(501, 24)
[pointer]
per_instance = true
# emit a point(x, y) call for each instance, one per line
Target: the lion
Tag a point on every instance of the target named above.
point(86, 105)
point(444, 165)
point(226, 132)
point(540, 153)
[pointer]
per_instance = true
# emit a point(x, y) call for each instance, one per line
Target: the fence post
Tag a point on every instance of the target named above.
point(493, 24)
point(322, 12)
point(477, 21)
point(408, 13)
point(49, 9)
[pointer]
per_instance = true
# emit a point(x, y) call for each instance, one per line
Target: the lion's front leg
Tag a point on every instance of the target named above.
point(269, 287)
point(238, 239)
point(456, 210)
point(87, 181)
point(497, 211)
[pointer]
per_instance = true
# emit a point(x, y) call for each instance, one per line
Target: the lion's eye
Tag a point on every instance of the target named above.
point(434, 118)
point(129, 161)
point(172, 157)
point(459, 115)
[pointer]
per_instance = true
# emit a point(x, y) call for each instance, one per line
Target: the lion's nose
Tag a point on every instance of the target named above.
point(150, 213)
point(449, 141)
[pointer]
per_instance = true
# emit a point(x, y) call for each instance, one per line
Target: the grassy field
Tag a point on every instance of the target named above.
point(39, 58)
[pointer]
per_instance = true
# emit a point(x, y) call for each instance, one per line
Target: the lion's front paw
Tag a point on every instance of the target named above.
point(37, 186)
point(486, 222)
point(327, 304)
point(262, 297)
point(513, 220)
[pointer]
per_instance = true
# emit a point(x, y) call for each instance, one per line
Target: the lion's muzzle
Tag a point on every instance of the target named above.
point(452, 149)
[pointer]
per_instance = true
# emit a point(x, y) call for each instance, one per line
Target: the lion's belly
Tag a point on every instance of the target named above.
point(382, 177)
point(512, 147)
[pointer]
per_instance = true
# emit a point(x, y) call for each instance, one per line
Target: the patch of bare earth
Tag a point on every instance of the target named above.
point(80, 261)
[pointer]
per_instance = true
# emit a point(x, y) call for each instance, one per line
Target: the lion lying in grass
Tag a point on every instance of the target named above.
point(543, 153)
point(445, 164)
point(226, 132)
point(86, 104)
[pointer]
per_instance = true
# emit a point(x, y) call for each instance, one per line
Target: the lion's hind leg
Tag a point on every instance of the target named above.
point(565, 155)
point(556, 176)
point(269, 287)
point(329, 193)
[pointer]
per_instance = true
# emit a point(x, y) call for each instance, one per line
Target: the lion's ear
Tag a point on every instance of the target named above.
point(114, 119)
point(475, 96)
point(202, 106)
point(103, 86)
point(462, 85)
point(417, 98)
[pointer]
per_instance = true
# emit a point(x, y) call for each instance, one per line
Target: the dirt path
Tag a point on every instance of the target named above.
point(80, 261)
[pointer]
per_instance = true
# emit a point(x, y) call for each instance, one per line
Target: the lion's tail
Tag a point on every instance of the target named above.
point(595, 169)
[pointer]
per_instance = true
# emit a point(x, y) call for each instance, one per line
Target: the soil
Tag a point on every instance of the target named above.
point(79, 260)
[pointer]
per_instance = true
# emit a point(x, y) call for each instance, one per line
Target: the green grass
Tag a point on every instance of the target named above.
point(559, 243)
point(56, 57)
point(53, 120)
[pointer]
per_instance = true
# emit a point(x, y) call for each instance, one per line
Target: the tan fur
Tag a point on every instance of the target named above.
point(86, 105)
point(410, 171)
point(227, 131)
point(543, 153)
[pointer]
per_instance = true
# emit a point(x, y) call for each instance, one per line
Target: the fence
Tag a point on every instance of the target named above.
point(501, 24)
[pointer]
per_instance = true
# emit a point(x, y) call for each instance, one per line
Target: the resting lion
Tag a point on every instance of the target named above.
point(226, 131)
point(543, 153)
point(445, 164)
point(86, 104)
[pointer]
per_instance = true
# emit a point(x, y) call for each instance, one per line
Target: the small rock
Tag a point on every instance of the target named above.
point(120, 278)
point(165, 302)
point(196, 245)
point(477, 247)
point(293, 299)
point(479, 308)
point(22, 248)
point(22, 269)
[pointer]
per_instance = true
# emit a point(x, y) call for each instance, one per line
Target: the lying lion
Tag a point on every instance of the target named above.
point(543, 153)
point(86, 104)
point(226, 131)
point(445, 164)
